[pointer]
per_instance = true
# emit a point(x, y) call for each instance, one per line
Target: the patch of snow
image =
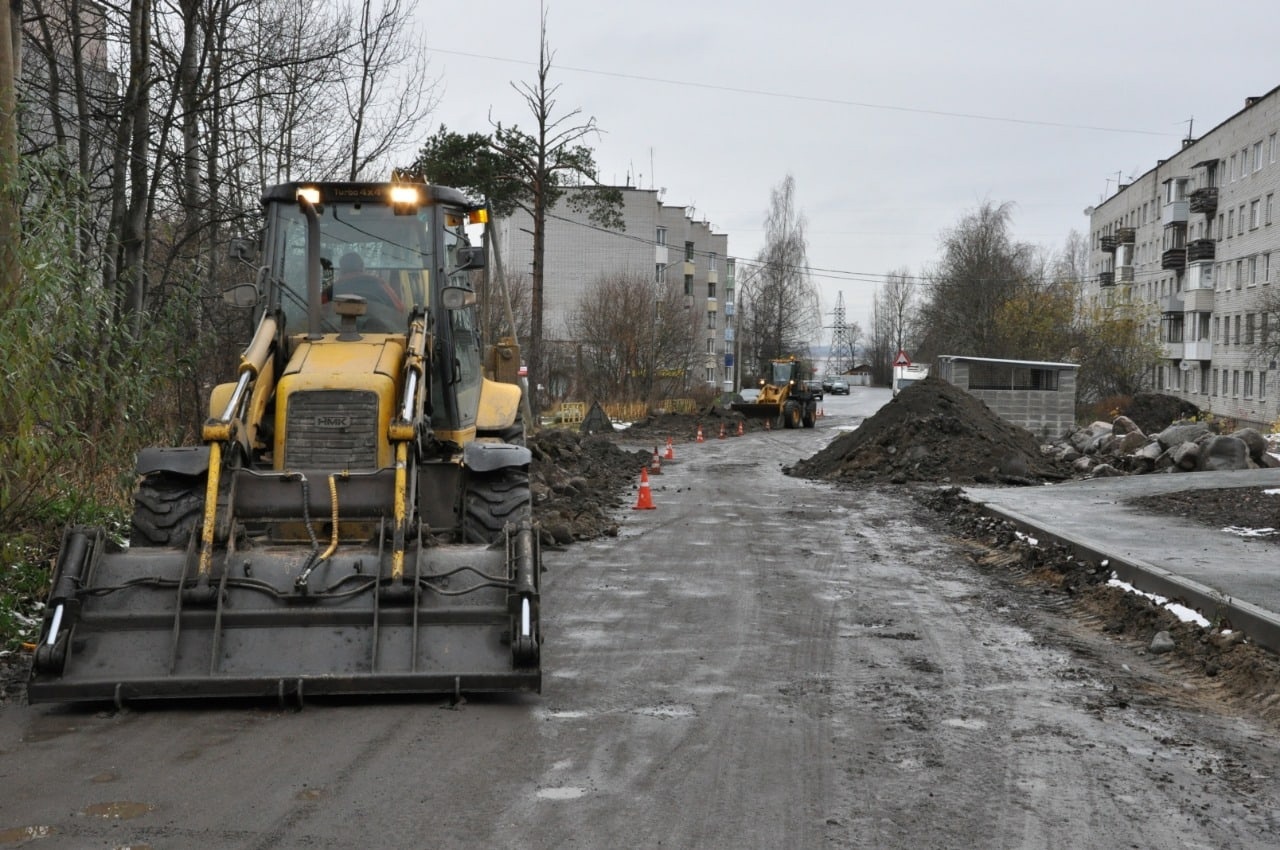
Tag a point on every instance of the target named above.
point(1027, 537)
point(1241, 531)
point(1178, 610)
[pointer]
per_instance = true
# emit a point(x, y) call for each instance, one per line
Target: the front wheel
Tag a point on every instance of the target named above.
point(810, 416)
point(167, 509)
point(493, 499)
point(791, 415)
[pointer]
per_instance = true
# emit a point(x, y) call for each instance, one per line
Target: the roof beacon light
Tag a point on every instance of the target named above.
point(310, 194)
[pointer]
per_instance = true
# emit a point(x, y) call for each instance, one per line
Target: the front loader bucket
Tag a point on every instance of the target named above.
point(756, 410)
point(138, 624)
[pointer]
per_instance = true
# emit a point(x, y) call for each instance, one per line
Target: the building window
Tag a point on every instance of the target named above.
point(1270, 205)
point(1239, 274)
point(1221, 229)
point(1248, 328)
point(1204, 380)
point(1240, 222)
point(688, 252)
point(1217, 335)
point(1244, 162)
point(688, 284)
point(711, 289)
point(711, 346)
point(1255, 214)
point(1235, 383)
point(1232, 170)
point(711, 375)
point(1231, 222)
point(1262, 380)
point(662, 236)
point(711, 319)
point(1257, 156)
point(660, 273)
point(1248, 384)
point(1215, 382)
point(1253, 271)
point(1273, 147)
point(711, 261)
point(1266, 269)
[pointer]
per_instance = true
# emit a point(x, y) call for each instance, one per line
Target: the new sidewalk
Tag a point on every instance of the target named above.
point(1220, 574)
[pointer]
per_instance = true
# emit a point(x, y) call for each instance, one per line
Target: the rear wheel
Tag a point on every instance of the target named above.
point(167, 509)
point(810, 416)
point(493, 499)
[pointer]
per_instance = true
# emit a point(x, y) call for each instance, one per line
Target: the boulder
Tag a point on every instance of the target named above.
point(1183, 433)
point(1185, 456)
point(1124, 425)
point(1086, 435)
point(1105, 470)
point(1223, 453)
point(1131, 441)
point(1255, 441)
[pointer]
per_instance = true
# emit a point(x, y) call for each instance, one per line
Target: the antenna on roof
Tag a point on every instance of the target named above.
point(1191, 123)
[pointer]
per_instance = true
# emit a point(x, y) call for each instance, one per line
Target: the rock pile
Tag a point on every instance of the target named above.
point(1120, 447)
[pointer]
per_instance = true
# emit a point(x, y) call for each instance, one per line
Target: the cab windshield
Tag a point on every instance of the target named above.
point(366, 250)
point(781, 373)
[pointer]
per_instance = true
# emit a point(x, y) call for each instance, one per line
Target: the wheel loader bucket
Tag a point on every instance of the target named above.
point(140, 624)
point(755, 410)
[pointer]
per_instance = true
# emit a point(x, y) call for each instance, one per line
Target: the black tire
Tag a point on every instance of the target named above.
point(810, 418)
point(791, 415)
point(493, 499)
point(167, 510)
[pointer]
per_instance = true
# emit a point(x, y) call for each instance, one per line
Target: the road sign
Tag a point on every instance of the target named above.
point(902, 359)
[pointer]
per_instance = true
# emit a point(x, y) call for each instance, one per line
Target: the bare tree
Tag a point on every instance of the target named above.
point(981, 268)
point(785, 311)
point(387, 92)
point(895, 322)
point(633, 333)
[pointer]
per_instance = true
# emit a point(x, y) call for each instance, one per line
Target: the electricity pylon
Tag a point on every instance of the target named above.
point(840, 355)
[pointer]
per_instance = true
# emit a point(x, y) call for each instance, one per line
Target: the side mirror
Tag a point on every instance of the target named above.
point(244, 250)
point(241, 295)
point(455, 297)
point(470, 257)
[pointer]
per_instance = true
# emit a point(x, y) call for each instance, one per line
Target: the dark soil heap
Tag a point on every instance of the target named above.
point(578, 481)
point(934, 432)
point(684, 426)
point(1154, 412)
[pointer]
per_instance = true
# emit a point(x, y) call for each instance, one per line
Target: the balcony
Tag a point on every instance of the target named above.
point(1175, 259)
point(1126, 235)
point(1201, 349)
point(1108, 243)
point(1124, 274)
point(1174, 213)
point(1200, 277)
point(1197, 300)
point(1205, 200)
point(1106, 279)
point(1200, 249)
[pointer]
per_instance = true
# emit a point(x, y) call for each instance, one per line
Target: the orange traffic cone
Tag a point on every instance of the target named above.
point(741, 430)
point(671, 450)
point(655, 465)
point(821, 413)
point(700, 433)
point(644, 502)
point(722, 435)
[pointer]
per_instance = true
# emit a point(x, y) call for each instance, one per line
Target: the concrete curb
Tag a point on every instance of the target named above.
point(1261, 626)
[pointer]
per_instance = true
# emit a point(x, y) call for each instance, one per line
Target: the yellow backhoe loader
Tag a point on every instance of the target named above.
point(358, 518)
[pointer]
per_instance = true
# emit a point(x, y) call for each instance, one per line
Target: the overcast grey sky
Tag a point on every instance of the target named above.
point(894, 119)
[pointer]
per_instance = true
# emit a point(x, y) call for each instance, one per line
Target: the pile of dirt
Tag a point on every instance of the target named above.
point(682, 427)
point(934, 432)
point(578, 481)
point(1154, 412)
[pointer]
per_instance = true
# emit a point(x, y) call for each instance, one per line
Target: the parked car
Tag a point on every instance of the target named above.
point(816, 388)
point(839, 387)
point(826, 382)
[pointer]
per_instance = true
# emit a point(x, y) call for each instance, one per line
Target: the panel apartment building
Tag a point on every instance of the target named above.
point(1197, 236)
point(659, 240)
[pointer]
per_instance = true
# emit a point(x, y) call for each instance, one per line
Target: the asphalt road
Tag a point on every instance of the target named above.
point(760, 662)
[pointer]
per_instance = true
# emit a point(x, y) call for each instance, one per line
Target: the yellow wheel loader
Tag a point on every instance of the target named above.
point(784, 396)
point(358, 518)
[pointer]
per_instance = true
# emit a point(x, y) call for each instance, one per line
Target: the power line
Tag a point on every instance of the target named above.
point(830, 101)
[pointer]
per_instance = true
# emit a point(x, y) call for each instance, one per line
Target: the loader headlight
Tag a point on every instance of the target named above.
point(310, 194)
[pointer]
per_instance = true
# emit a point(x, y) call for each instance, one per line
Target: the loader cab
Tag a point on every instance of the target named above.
point(398, 246)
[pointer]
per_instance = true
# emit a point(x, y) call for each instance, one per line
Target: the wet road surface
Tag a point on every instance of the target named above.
point(760, 662)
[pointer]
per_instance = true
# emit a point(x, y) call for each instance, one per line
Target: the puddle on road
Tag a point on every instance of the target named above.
point(561, 793)
point(23, 834)
point(121, 810)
